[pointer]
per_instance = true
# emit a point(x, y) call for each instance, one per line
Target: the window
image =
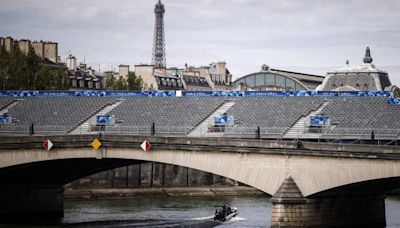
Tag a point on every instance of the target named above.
point(290, 84)
point(260, 80)
point(270, 80)
point(250, 81)
point(280, 82)
point(299, 87)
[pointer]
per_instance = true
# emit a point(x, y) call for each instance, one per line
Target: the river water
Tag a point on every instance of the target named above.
point(254, 211)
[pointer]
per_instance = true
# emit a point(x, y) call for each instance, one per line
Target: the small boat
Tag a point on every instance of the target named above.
point(225, 213)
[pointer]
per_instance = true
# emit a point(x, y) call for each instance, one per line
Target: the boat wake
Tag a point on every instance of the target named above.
point(202, 218)
point(234, 219)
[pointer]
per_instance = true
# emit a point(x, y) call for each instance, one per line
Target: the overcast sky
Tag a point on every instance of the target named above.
point(310, 36)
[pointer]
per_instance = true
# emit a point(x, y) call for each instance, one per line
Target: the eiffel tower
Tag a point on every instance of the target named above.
point(158, 59)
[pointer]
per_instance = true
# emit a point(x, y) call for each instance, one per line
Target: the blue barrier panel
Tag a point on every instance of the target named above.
point(232, 93)
point(394, 101)
point(105, 119)
point(318, 120)
point(324, 93)
point(265, 93)
point(5, 119)
point(198, 93)
point(55, 94)
point(141, 93)
point(222, 119)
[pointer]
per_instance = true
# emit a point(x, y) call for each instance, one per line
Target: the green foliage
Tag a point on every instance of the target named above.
point(25, 72)
point(132, 82)
point(110, 82)
point(121, 84)
point(4, 65)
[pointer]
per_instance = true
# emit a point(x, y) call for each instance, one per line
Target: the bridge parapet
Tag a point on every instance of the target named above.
point(210, 144)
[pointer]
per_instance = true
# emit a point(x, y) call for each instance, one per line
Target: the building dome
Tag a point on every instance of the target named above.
point(364, 77)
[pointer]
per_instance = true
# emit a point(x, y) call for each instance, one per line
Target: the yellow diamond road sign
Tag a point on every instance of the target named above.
point(96, 144)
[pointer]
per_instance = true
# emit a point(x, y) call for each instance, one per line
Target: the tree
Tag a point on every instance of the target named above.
point(121, 84)
point(62, 81)
point(15, 75)
point(4, 64)
point(42, 81)
point(134, 82)
point(32, 62)
point(48, 78)
point(110, 82)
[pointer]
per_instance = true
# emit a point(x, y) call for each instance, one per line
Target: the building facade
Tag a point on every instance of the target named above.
point(205, 78)
point(82, 77)
point(46, 50)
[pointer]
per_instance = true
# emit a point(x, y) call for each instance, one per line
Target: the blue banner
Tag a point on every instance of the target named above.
point(222, 119)
point(5, 119)
point(232, 93)
point(318, 120)
point(105, 119)
point(394, 101)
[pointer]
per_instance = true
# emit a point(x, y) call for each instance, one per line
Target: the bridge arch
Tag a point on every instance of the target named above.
point(264, 171)
point(86, 161)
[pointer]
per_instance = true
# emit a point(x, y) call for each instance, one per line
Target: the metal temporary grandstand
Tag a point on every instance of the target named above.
point(266, 115)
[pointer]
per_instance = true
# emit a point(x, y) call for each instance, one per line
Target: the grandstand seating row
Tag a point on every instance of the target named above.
point(4, 101)
point(274, 115)
point(180, 115)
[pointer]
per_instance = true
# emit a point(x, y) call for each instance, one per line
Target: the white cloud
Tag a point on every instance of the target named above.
point(308, 35)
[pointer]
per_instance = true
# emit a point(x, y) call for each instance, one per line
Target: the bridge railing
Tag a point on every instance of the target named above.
point(11, 129)
point(146, 130)
point(380, 136)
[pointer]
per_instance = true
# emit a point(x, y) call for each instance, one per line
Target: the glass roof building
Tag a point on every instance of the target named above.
point(274, 79)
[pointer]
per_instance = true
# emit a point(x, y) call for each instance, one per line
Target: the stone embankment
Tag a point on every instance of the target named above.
point(159, 192)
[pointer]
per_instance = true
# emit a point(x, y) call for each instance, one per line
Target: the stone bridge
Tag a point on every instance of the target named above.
point(311, 184)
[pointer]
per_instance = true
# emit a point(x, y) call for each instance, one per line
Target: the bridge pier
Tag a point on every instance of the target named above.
point(291, 209)
point(31, 203)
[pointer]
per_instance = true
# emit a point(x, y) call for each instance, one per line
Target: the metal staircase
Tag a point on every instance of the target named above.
point(9, 106)
point(84, 128)
point(202, 129)
point(297, 129)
